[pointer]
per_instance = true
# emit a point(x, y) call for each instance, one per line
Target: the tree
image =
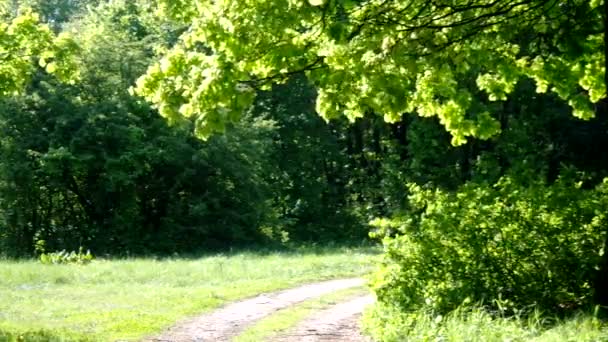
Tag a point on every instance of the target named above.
point(457, 61)
point(385, 57)
point(88, 164)
point(307, 168)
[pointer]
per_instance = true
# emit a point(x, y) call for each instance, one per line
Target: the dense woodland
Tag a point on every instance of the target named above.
point(470, 137)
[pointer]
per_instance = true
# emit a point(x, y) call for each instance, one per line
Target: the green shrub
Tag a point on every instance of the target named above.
point(64, 257)
point(509, 246)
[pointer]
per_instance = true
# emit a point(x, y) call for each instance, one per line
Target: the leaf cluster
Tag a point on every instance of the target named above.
point(64, 257)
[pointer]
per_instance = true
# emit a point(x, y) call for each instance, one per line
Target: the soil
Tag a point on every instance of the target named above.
point(339, 322)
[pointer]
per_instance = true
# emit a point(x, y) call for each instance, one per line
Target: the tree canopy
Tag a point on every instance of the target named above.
point(430, 58)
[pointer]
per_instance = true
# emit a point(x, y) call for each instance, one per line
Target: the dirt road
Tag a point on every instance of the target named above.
point(225, 323)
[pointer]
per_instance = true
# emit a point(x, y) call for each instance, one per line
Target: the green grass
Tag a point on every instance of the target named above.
point(477, 325)
point(288, 318)
point(128, 299)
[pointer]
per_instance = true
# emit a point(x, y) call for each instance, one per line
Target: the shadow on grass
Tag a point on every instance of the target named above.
point(366, 248)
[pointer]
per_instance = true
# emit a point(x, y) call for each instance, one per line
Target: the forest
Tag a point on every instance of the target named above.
point(467, 138)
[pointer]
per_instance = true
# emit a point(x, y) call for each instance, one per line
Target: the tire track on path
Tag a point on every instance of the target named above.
point(339, 322)
point(226, 322)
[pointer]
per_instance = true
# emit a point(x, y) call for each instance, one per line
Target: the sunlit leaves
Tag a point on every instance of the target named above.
point(24, 40)
point(592, 80)
point(385, 58)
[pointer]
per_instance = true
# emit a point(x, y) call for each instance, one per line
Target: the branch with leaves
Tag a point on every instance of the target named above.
point(383, 57)
point(26, 43)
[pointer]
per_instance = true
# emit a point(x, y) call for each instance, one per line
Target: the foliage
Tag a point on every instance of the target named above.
point(455, 119)
point(539, 138)
point(90, 164)
point(64, 257)
point(26, 45)
point(306, 169)
point(383, 57)
point(508, 245)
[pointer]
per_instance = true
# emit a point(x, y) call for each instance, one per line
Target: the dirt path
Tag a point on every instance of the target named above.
point(337, 323)
point(232, 319)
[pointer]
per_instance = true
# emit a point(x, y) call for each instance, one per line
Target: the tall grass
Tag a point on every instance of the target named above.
point(129, 299)
point(475, 324)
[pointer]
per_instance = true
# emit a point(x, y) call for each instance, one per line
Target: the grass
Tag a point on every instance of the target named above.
point(288, 318)
point(129, 299)
point(477, 325)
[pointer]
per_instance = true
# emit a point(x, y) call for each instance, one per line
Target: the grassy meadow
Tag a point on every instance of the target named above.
point(132, 298)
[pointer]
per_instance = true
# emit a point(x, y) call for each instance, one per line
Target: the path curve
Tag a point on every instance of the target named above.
point(227, 322)
point(339, 322)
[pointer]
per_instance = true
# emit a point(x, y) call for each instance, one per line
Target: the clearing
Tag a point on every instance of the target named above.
point(110, 300)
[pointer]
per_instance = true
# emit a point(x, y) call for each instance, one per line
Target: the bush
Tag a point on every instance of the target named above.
point(509, 246)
